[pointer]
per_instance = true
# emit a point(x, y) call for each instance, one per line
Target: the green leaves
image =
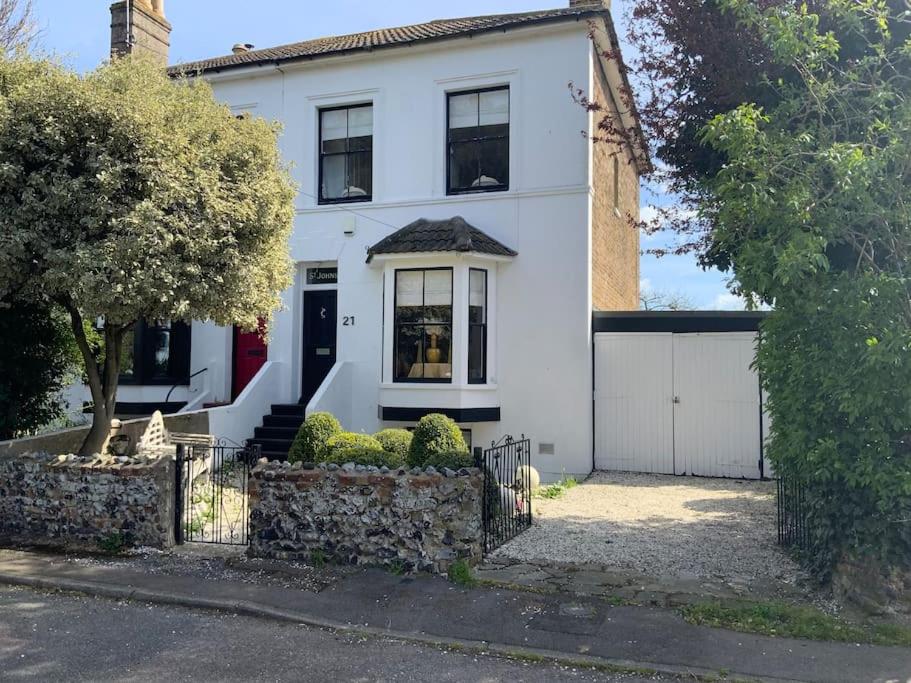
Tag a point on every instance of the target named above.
point(135, 196)
point(812, 210)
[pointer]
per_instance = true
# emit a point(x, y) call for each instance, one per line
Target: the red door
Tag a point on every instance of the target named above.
point(250, 353)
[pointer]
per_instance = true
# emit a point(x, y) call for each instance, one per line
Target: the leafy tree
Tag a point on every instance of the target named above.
point(126, 195)
point(17, 25)
point(39, 358)
point(811, 212)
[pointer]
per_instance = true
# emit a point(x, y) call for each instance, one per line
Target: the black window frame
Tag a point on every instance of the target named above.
point(396, 324)
point(502, 187)
point(178, 355)
point(347, 153)
point(482, 326)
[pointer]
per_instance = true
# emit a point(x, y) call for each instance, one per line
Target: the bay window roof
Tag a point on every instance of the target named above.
point(450, 234)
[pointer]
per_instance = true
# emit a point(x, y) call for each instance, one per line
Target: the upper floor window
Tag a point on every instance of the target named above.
point(423, 325)
point(478, 140)
point(346, 154)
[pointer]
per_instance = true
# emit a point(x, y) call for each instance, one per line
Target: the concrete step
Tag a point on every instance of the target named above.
point(275, 432)
point(289, 409)
point(283, 421)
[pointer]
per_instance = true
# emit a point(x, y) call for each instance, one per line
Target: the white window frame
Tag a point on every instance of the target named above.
point(461, 266)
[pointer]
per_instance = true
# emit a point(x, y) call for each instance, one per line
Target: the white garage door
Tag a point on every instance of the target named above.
point(674, 403)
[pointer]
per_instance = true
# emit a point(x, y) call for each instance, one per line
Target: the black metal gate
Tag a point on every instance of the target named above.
point(793, 529)
point(507, 489)
point(211, 488)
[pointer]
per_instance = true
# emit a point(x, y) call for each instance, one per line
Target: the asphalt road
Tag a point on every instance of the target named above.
point(55, 637)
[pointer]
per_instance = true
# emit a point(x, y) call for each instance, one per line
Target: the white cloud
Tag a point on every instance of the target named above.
point(728, 302)
point(645, 284)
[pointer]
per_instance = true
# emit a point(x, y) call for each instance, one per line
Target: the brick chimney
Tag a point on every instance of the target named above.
point(139, 27)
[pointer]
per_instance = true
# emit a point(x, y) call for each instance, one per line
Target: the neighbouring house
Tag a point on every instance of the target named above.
point(455, 231)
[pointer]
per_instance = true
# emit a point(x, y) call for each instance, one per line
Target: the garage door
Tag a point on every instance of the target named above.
point(673, 403)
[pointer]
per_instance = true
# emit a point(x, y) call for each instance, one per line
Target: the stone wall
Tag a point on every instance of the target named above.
point(69, 440)
point(86, 503)
point(421, 520)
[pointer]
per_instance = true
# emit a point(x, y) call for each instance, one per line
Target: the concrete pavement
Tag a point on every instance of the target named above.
point(431, 610)
point(57, 637)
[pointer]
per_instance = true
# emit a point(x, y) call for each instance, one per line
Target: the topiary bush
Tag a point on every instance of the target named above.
point(454, 460)
point(310, 443)
point(345, 440)
point(366, 456)
point(395, 441)
point(435, 433)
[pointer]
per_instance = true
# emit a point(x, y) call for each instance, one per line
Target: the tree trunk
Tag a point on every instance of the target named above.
point(102, 382)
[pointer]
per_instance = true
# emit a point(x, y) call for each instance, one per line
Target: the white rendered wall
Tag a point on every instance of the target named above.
point(543, 352)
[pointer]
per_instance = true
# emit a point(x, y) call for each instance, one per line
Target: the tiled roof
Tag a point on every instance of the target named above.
point(451, 234)
point(388, 37)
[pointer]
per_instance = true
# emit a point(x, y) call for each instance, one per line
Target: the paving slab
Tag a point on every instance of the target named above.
point(431, 609)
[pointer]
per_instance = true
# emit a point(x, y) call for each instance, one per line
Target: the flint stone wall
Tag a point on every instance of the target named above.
point(77, 503)
point(360, 515)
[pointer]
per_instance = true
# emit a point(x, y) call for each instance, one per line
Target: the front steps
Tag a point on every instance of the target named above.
point(278, 430)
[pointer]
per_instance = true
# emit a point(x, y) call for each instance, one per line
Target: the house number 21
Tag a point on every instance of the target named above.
point(348, 321)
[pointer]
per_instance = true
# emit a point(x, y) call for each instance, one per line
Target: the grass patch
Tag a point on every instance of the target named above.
point(460, 573)
point(112, 544)
point(317, 558)
point(557, 489)
point(780, 619)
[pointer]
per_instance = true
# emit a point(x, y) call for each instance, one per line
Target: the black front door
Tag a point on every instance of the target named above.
point(319, 339)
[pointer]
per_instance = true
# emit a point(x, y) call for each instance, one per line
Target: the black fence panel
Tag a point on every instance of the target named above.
point(506, 504)
point(793, 529)
point(211, 493)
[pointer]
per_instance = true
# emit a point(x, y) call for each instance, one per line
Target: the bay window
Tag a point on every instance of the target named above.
point(346, 154)
point(423, 325)
point(477, 326)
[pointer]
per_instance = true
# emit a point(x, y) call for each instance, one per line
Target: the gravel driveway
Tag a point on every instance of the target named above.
point(661, 526)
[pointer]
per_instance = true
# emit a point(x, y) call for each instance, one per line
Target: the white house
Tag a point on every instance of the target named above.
point(455, 231)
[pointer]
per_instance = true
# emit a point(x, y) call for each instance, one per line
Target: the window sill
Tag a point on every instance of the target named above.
point(352, 200)
point(438, 386)
point(486, 190)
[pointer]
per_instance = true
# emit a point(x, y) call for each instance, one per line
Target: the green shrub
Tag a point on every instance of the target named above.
point(435, 433)
point(366, 456)
point(310, 443)
point(345, 440)
point(395, 441)
point(454, 460)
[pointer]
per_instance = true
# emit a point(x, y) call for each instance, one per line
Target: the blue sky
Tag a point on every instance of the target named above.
point(79, 31)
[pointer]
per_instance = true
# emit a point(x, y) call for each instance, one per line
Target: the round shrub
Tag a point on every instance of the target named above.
point(366, 456)
point(395, 441)
point(345, 440)
point(310, 443)
point(435, 433)
point(454, 460)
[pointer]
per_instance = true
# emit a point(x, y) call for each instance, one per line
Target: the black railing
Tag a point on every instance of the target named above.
point(211, 493)
point(793, 529)
point(506, 507)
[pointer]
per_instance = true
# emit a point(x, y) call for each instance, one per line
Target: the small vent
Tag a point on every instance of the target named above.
point(545, 448)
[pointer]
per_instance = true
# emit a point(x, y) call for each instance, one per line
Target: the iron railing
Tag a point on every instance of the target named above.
point(793, 529)
point(506, 507)
point(211, 502)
